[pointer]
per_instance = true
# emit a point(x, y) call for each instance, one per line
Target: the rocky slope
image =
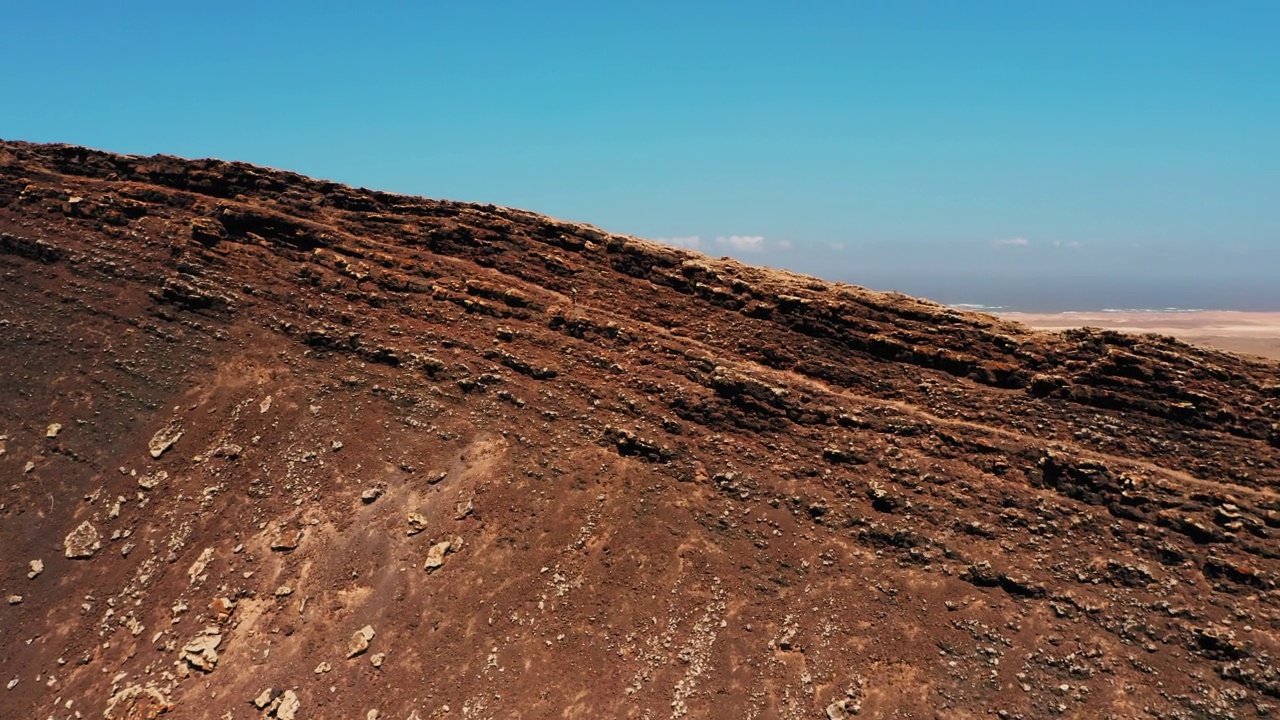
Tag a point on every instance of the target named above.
point(276, 447)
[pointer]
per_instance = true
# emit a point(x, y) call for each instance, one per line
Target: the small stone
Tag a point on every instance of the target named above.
point(360, 641)
point(202, 652)
point(287, 540)
point(29, 467)
point(222, 608)
point(336, 445)
point(370, 495)
point(37, 567)
point(12, 684)
point(82, 542)
point(264, 699)
point(284, 591)
point(371, 715)
point(164, 439)
point(376, 659)
point(417, 523)
point(288, 707)
point(53, 430)
point(265, 405)
point(15, 599)
point(323, 667)
point(150, 480)
point(435, 556)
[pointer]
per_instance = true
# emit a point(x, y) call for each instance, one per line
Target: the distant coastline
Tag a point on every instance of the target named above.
point(1250, 333)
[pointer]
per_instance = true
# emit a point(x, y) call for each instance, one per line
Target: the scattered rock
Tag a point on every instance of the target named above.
point(37, 567)
point(15, 599)
point(370, 495)
point(207, 230)
point(287, 709)
point(360, 641)
point(221, 608)
point(164, 439)
point(137, 703)
point(462, 510)
point(417, 523)
point(82, 542)
point(202, 652)
point(843, 709)
point(284, 591)
point(264, 698)
point(286, 540)
point(435, 556)
point(150, 480)
point(229, 451)
point(376, 659)
point(323, 668)
point(53, 430)
point(265, 405)
point(198, 567)
point(335, 446)
point(11, 684)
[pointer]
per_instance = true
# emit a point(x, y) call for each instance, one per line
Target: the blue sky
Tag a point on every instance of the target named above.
point(945, 148)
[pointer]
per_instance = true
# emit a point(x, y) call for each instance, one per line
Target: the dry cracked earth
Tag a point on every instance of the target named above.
point(278, 448)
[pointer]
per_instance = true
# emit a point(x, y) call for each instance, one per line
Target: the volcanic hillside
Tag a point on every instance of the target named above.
point(278, 448)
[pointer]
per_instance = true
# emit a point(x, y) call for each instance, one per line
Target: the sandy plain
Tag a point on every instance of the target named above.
point(1250, 333)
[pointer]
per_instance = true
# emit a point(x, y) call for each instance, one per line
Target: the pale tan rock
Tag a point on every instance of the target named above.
point(263, 700)
point(286, 540)
point(82, 542)
point(435, 556)
point(53, 430)
point(360, 641)
point(376, 659)
point(164, 439)
point(198, 567)
point(150, 480)
point(137, 703)
point(288, 707)
point(417, 523)
point(323, 668)
point(202, 652)
point(37, 567)
point(15, 599)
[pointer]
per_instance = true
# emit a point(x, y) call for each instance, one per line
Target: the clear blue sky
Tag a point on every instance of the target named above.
point(876, 142)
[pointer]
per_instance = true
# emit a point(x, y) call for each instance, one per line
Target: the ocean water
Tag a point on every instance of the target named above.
point(1087, 294)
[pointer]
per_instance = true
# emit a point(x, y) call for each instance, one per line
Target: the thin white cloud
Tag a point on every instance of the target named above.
point(838, 247)
point(692, 242)
point(742, 243)
point(783, 245)
point(1012, 242)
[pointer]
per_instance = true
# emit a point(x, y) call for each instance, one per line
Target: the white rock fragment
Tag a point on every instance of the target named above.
point(323, 668)
point(265, 405)
point(198, 567)
point(150, 480)
point(36, 567)
point(360, 641)
point(202, 652)
point(417, 523)
point(53, 430)
point(435, 556)
point(164, 439)
point(82, 542)
point(15, 599)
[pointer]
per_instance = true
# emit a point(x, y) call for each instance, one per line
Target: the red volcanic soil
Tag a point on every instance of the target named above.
point(322, 452)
